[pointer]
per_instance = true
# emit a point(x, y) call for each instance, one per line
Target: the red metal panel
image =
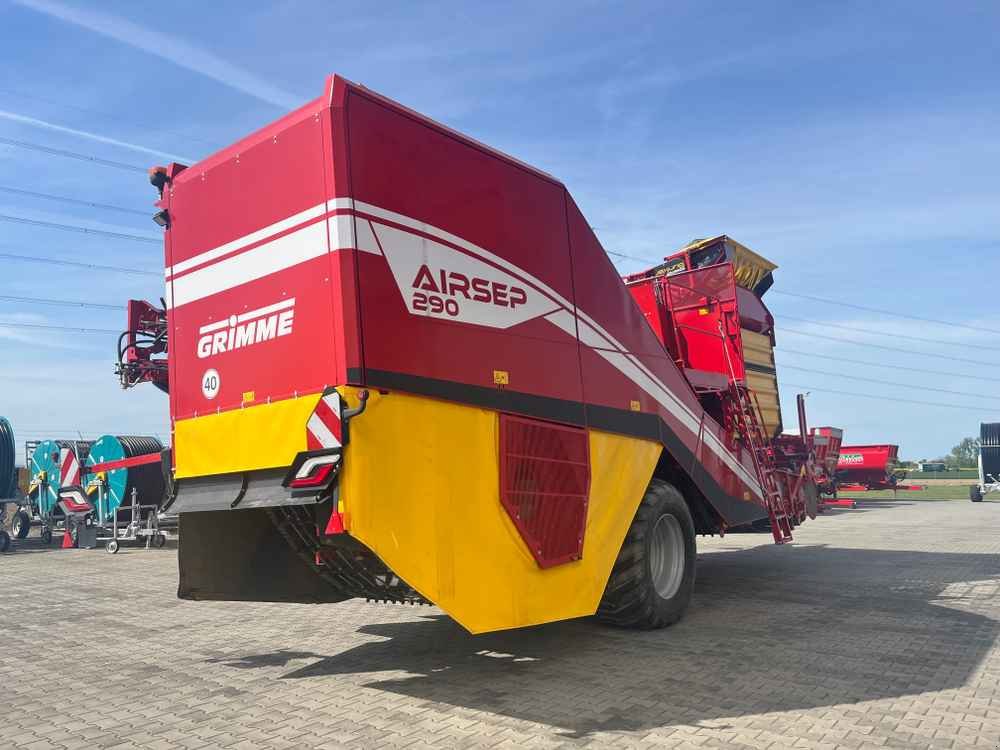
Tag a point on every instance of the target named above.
point(704, 309)
point(230, 216)
point(544, 486)
point(431, 307)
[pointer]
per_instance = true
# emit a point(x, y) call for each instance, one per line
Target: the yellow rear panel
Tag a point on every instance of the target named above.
point(264, 436)
point(421, 489)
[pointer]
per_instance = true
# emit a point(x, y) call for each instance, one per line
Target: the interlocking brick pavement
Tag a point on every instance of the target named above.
point(877, 628)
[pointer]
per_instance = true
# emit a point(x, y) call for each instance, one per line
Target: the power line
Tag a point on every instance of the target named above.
point(71, 155)
point(889, 382)
point(74, 329)
point(111, 116)
point(62, 302)
point(890, 398)
point(77, 228)
point(888, 348)
point(632, 257)
point(74, 201)
point(885, 312)
point(77, 264)
point(883, 333)
point(889, 366)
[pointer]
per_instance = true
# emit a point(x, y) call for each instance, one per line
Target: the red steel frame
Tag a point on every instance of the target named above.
point(697, 315)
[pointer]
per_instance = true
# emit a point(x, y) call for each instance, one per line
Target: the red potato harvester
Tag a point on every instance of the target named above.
point(402, 367)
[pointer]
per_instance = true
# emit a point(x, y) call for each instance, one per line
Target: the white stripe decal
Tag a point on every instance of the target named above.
point(631, 369)
point(259, 234)
point(271, 257)
point(309, 242)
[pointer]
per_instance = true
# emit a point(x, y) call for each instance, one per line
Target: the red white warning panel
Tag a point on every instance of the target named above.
point(324, 428)
point(69, 468)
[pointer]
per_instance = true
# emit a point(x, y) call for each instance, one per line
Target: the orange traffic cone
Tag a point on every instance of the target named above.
point(67, 542)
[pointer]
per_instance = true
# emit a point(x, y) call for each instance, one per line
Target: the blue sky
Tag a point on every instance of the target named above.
point(855, 144)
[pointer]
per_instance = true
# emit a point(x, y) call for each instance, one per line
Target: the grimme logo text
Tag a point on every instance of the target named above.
point(246, 329)
point(442, 291)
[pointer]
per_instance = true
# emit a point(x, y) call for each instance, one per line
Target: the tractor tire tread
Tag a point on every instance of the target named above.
point(630, 599)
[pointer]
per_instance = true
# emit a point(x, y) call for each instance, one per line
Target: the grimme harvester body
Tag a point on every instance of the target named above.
point(401, 366)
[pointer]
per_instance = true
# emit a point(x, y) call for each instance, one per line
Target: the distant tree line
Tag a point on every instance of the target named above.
point(963, 455)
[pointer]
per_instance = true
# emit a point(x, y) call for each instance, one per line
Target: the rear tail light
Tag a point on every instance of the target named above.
point(74, 501)
point(313, 469)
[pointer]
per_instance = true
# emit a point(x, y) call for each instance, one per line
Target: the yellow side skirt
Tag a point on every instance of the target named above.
point(421, 489)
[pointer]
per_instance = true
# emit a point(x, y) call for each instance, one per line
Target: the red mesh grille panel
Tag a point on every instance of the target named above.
point(695, 288)
point(544, 482)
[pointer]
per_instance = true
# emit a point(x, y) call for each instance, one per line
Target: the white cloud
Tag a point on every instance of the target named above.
point(25, 120)
point(168, 47)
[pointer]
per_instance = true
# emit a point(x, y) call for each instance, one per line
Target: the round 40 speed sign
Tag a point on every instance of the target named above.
point(210, 384)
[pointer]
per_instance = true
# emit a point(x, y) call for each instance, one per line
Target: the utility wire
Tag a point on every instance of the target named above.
point(889, 382)
point(884, 333)
point(979, 409)
point(110, 116)
point(887, 366)
point(633, 257)
point(62, 302)
point(5, 324)
point(71, 155)
point(77, 264)
point(887, 348)
point(885, 312)
point(77, 228)
point(74, 201)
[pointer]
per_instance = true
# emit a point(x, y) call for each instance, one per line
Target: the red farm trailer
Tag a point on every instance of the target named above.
point(870, 467)
point(401, 366)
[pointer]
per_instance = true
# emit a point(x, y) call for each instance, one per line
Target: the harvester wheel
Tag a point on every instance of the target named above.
point(975, 494)
point(20, 525)
point(46, 535)
point(652, 580)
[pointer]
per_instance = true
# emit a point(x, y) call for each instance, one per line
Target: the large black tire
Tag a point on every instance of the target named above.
point(20, 525)
point(975, 494)
point(4, 540)
point(640, 594)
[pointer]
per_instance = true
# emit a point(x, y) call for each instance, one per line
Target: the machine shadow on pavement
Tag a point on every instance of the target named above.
point(851, 625)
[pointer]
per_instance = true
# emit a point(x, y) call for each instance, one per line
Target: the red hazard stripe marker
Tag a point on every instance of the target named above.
point(324, 428)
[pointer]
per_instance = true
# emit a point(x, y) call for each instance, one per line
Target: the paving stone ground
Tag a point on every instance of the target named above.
point(877, 628)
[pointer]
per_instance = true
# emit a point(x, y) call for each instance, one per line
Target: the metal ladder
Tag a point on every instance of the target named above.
point(781, 522)
point(748, 416)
